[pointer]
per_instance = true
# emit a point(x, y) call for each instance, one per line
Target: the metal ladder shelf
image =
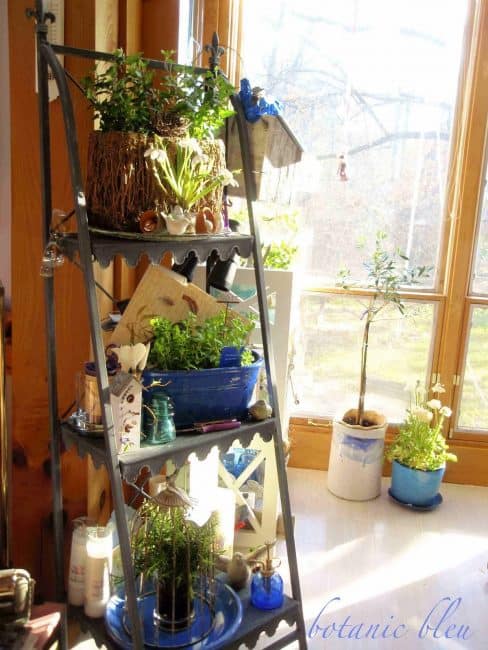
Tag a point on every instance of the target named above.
point(90, 246)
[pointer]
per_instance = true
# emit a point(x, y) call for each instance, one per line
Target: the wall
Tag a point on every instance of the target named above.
point(154, 29)
point(5, 199)
point(31, 490)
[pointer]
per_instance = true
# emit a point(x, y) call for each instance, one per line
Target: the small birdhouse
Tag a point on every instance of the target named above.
point(274, 153)
point(126, 400)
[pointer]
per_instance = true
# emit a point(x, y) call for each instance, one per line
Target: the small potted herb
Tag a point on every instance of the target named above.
point(175, 553)
point(191, 360)
point(419, 451)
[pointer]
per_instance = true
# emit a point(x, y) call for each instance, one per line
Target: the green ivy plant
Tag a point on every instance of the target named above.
point(386, 274)
point(420, 443)
point(128, 96)
point(188, 345)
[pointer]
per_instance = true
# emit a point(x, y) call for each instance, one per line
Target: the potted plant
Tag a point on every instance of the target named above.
point(205, 367)
point(356, 453)
point(137, 109)
point(186, 176)
point(174, 553)
point(419, 451)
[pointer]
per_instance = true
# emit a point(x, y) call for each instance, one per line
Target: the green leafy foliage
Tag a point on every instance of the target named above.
point(171, 546)
point(127, 95)
point(387, 273)
point(279, 255)
point(420, 443)
point(187, 176)
point(188, 345)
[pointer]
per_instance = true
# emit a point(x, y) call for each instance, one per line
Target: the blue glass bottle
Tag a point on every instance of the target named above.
point(267, 585)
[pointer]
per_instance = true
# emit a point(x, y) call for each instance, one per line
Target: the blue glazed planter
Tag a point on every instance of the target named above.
point(415, 486)
point(204, 395)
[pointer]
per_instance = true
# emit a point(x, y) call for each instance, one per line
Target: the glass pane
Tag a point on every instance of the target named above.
point(374, 81)
point(480, 277)
point(327, 365)
point(473, 413)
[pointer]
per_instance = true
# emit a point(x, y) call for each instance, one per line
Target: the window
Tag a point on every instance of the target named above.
point(370, 89)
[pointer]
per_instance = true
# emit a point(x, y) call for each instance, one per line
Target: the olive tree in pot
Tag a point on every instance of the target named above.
point(419, 451)
point(356, 454)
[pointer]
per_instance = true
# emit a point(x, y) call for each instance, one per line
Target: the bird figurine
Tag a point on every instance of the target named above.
point(260, 410)
point(178, 221)
point(205, 222)
point(238, 567)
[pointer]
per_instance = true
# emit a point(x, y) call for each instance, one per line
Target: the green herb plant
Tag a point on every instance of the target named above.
point(420, 443)
point(386, 274)
point(188, 345)
point(170, 546)
point(128, 96)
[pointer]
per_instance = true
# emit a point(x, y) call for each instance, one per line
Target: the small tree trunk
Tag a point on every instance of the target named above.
point(364, 359)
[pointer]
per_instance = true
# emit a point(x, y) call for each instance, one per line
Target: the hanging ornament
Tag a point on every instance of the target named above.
point(341, 169)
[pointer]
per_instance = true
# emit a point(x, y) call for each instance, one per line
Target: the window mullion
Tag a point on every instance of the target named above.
point(468, 176)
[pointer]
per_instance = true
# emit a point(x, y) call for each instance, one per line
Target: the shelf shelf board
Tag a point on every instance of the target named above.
point(254, 622)
point(153, 457)
point(133, 247)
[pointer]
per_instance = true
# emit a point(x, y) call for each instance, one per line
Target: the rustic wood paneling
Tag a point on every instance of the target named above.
point(31, 496)
point(159, 27)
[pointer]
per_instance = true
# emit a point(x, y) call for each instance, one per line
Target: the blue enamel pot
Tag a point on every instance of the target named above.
point(415, 486)
point(204, 395)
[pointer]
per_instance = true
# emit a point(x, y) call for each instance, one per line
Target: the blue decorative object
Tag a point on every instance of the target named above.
point(230, 357)
point(267, 585)
point(158, 424)
point(267, 591)
point(255, 104)
point(435, 503)
point(414, 486)
point(205, 395)
point(211, 628)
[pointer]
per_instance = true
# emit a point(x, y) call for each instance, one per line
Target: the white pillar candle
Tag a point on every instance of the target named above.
point(204, 477)
point(98, 568)
point(77, 561)
point(226, 511)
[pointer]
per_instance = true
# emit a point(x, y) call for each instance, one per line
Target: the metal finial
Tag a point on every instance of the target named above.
point(39, 16)
point(215, 50)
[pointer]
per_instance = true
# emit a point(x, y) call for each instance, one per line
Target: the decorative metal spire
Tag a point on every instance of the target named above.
point(215, 50)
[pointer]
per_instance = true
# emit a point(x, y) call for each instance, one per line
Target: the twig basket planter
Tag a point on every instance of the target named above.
point(120, 184)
